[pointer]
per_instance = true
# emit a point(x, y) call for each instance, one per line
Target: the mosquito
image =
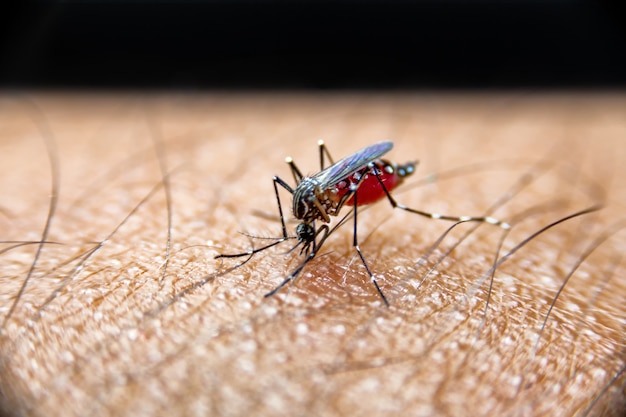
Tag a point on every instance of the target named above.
point(357, 180)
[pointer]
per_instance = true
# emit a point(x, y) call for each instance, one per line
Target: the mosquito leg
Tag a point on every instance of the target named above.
point(297, 174)
point(278, 180)
point(353, 193)
point(436, 216)
point(324, 150)
point(355, 243)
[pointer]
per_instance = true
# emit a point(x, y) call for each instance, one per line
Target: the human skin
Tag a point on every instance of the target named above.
point(126, 311)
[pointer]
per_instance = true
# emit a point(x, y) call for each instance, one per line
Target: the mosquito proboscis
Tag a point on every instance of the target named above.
point(356, 180)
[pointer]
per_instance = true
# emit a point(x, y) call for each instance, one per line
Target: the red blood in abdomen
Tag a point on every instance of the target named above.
point(370, 190)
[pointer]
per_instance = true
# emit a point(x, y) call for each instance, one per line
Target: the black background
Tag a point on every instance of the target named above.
point(314, 45)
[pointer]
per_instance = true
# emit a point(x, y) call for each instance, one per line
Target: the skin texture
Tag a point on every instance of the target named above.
point(125, 311)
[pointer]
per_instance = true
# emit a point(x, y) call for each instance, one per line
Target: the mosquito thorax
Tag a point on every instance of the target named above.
point(304, 198)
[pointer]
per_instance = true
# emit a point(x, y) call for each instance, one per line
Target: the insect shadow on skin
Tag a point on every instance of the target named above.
point(356, 180)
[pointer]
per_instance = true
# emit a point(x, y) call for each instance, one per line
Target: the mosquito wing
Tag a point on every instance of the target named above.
point(340, 170)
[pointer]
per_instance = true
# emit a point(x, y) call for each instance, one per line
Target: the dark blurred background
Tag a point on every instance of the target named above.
point(314, 44)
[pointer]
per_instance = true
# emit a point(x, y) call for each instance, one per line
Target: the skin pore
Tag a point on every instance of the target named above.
point(115, 206)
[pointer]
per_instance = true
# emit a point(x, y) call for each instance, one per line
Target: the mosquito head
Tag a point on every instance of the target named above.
point(305, 233)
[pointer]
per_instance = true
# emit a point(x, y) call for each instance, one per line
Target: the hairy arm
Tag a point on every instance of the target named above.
point(115, 207)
